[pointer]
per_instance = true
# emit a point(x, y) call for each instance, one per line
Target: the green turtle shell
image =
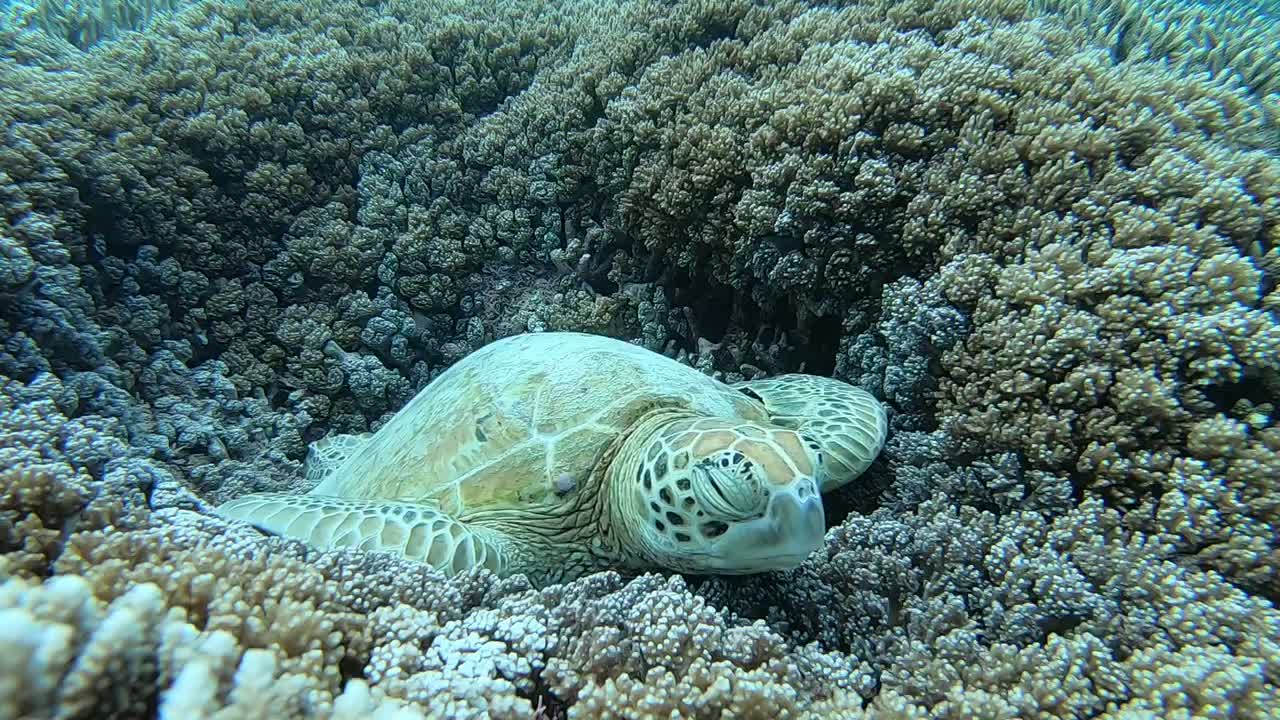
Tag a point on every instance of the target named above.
point(521, 424)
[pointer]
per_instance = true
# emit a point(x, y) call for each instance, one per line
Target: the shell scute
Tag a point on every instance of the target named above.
point(499, 428)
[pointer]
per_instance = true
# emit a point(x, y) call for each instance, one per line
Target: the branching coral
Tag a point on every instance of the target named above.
point(1225, 37)
point(1123, 308)
point(85, 23)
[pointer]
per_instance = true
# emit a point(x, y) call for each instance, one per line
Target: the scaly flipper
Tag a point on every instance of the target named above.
point(415, 531)
point(847, 421)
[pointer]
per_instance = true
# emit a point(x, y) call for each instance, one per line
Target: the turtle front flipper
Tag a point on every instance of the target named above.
point(418, 532)
point(846, 421)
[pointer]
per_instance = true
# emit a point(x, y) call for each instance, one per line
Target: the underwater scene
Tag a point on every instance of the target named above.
point(639, 359)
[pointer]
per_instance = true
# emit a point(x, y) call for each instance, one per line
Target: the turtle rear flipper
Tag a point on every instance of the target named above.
point(418, 532)
point(325, 455)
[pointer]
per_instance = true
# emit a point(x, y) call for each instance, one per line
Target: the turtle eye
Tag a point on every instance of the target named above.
point(726, 486)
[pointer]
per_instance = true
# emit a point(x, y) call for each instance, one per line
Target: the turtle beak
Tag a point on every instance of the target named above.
point(792, 526)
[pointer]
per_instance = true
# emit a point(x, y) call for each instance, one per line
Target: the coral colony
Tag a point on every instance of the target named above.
point(239, 237)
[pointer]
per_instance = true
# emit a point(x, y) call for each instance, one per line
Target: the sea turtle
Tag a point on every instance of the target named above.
point(557, 454)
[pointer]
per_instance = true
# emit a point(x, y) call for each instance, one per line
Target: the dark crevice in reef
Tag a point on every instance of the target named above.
point(822, 345)
point(812, 342)
point(715, 311)
point(351, 668)
point(713, 306)
point(1252, 387)
point(858, 498)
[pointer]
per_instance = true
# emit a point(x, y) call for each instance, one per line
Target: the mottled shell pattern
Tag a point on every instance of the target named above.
point(516, 430)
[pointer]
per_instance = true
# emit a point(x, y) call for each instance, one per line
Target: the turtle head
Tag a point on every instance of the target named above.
point(725, 496)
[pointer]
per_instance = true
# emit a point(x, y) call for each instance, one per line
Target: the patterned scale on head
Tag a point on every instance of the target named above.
point(714, 495)
point(558, 454)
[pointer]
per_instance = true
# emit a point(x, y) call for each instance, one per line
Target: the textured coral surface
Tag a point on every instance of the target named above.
point(1046, 235)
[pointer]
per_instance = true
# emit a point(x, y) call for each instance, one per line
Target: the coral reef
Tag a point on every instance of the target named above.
point(1222, 37)
point(85, 23)
point(1046, 236)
